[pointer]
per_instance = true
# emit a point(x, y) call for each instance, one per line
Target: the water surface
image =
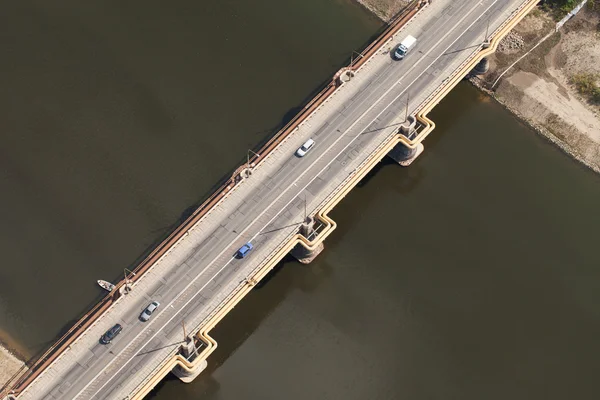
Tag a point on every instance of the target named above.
point(472, 274)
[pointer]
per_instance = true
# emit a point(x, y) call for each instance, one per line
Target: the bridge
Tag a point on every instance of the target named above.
point(279, 202)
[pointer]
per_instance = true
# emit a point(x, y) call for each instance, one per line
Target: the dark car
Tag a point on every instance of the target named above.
point(110, 334)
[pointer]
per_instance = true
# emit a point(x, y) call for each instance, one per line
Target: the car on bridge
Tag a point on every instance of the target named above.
point(147, 313)
point(110, 334)
point(301, 152)
point(244, 250)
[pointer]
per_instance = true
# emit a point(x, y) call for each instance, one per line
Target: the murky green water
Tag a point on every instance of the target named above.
point(472, 274)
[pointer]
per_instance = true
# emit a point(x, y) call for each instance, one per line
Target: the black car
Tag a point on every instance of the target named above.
point(110, 334)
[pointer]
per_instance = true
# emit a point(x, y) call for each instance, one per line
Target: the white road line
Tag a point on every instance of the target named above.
point(284, 192)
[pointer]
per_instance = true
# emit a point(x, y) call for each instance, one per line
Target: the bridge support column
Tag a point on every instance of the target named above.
point(190, 352)
point(481, 68)
point(301, 253)
point(188, 375)
point(402, 154)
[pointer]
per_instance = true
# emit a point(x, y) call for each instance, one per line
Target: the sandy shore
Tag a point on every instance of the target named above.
point(9, 365)
point(384, 9)
point(541, 130)
point(11, 357)
point(539, 89)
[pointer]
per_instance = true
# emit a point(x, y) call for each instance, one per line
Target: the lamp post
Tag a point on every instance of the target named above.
point(248, 161)
point(352, 56)
point(127, 280)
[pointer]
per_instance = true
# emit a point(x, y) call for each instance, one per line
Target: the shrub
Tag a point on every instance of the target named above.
point(587, 84)
point(559, 8)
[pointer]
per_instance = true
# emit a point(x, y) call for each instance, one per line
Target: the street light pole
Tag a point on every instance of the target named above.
point(127, 280)
point(352, 56)
point(248, 161)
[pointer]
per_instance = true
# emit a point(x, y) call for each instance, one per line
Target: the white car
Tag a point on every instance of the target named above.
point(145, 315)
point(301, 152)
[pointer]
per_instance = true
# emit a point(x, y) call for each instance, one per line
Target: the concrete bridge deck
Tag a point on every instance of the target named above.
point(199, 275)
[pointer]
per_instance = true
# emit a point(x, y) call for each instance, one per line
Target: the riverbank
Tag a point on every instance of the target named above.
point(544, 87)
point(11, 357)
point(9, 365)
point(384, 9)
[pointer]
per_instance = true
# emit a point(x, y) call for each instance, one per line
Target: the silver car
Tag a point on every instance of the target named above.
point(145, 315)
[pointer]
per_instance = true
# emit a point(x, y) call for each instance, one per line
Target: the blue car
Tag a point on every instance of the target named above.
point(244, 250)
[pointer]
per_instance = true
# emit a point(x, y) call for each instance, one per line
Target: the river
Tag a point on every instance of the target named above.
point(472, 274)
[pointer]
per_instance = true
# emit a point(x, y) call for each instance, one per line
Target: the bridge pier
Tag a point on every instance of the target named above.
point(188, 375)
point(402, 154)
point(481, 68)
point(190, 352)
point(301, 253)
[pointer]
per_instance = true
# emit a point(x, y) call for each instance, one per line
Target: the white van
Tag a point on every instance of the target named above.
point(404, 47)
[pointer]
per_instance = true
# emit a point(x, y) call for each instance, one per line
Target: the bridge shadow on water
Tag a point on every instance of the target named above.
point(406, 179)
point(242, 322)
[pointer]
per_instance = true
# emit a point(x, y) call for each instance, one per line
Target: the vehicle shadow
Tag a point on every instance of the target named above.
point(241, 323)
